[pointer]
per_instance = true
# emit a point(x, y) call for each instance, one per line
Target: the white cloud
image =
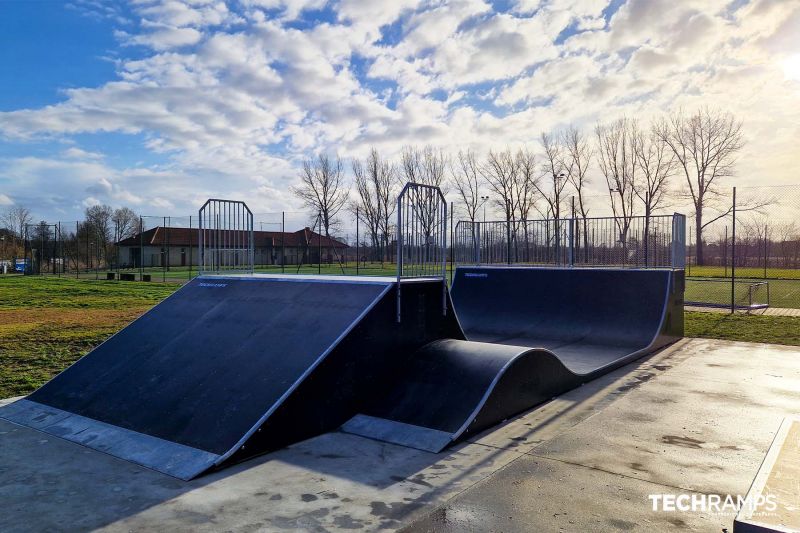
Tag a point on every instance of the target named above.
point(233, 100)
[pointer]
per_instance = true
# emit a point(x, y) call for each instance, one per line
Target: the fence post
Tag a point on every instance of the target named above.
point(190, 247)
point(765, 250)
point(141, 247)
point(399, 251)
point(451, 242)
point(733, 255)
point(164, 252)
point(358, 254)
point(479, 240)
point(572, 241)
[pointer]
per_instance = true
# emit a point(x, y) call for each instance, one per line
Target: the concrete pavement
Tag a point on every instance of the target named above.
point(696, 417)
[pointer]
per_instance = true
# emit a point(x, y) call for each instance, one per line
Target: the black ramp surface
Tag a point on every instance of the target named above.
point(533, 334)
point(199, 370)
point(589, 318)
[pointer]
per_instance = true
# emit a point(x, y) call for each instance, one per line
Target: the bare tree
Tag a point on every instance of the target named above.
point(617, 161)
point(527, 192)
point(657, 164)
point(16, 218)
point(466, 179)
point(501, 174)
point(579, 153)
point(126, 222)
point(375, 185)
point(554, 176)
point(322, 188)
point(705, 145)
point(425, 166)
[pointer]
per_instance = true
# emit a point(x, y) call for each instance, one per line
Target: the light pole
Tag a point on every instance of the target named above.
point(484, 199)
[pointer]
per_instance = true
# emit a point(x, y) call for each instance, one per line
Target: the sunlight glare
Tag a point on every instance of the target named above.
point(791, 67)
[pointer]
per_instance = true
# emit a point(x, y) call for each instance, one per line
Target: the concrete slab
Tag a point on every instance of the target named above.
point(698, 422)
point(537, 494)
point(696, 417)
point(330, 482)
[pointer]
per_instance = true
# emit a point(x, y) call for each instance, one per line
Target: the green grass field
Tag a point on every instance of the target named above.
point(743, 327)
point(184, 273)
point(47, 323)
point(748, 272)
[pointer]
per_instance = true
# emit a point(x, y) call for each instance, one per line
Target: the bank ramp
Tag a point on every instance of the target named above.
point(232, 366)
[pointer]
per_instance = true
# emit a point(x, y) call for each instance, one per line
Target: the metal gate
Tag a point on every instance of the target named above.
point(225, 237)
point(421, 237)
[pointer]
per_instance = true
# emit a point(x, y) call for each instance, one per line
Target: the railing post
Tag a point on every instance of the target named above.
point(399, 250)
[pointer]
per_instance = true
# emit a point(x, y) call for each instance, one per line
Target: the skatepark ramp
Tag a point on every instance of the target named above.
point(230, 367)
point(533, 333)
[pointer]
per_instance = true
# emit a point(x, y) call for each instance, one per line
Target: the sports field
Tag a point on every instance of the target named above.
point(47, 323)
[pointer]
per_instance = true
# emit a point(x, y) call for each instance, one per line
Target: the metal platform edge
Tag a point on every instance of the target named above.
point(171, 458)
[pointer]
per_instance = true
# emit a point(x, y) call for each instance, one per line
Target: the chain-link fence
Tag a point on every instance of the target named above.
point(759, 266)
point(166, 248)
point(747, 254)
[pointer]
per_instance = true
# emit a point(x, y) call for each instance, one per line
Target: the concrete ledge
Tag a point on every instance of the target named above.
point(773, 501)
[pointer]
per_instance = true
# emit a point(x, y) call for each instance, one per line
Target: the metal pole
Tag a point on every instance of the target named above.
point(358, 253)
point(319, 242)
point(399, 250)
point(765, 250)
point(190, 247)
point(283, 241)
point(164, 252)
point(451, 241)
point(141, 248)
point(733, 256)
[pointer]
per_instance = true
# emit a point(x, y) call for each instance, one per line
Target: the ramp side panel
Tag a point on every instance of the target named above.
point(202, 367)
point(170, 458)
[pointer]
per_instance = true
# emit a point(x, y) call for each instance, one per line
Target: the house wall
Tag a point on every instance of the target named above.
point(155, 256)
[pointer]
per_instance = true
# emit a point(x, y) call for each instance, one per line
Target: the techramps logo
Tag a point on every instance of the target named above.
point(714, 504)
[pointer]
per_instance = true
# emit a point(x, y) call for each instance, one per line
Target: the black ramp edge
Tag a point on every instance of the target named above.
point(425, 439)
point(168, 457)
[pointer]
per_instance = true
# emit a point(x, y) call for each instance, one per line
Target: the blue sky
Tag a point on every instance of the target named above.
point(159, 105)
